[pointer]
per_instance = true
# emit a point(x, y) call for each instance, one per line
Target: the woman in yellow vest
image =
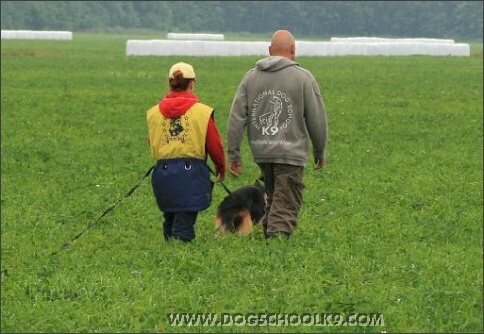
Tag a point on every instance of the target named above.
point(181, 131)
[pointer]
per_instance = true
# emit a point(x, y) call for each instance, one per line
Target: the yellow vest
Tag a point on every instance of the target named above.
point(180, 137)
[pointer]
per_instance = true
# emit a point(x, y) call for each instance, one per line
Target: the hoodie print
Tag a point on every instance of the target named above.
point(271, 112)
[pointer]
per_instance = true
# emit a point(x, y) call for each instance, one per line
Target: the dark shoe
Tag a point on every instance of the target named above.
point(185, 240)
point(277, 235)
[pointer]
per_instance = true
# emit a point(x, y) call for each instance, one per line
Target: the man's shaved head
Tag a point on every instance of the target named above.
point(283, 44)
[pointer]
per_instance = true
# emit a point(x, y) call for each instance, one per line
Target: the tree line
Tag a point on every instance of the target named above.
point(430, 19)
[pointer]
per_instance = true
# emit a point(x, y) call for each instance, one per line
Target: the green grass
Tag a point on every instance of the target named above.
point(392, 224)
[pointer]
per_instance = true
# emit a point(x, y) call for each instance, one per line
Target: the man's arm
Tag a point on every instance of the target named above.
point(236, 125)
point(316, 121)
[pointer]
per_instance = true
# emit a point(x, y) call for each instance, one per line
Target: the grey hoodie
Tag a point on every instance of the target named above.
point(281, 105)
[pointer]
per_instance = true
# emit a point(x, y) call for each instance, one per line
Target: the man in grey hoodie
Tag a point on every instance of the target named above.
point(281, 105)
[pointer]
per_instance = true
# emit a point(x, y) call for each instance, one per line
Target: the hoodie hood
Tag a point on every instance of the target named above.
point(274, 63)
point(176, 104)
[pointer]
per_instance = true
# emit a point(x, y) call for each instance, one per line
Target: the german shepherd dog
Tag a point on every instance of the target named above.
point(242, 208)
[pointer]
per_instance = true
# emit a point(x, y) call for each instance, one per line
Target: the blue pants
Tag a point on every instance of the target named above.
point(179, 225)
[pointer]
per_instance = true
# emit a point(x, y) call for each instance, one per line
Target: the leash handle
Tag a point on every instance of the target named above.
point(223, 185)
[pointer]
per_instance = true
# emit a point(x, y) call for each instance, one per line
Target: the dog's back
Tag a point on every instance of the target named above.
point(237, 211)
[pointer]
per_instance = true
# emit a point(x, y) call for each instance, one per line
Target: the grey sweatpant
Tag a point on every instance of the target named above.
point(284, 187)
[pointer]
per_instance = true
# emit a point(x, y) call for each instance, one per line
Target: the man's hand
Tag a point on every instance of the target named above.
point(235, 168)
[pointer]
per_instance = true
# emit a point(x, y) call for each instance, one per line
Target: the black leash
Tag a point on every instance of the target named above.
point(223, 185)
point(91, 225)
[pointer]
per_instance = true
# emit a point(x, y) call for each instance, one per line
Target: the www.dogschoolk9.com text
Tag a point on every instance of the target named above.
point(276, 319)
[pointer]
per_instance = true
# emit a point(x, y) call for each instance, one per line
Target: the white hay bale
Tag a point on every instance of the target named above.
point(461, 50)
point(374, 46)
point(195, 48)
point(356, 39)
point(389, 40)
point(342, 49)
point(198, 36)
point(303, 48)
point(403, 49)
point(36, 34)
point(426, 40)
point(378, 49)
point(306, 48)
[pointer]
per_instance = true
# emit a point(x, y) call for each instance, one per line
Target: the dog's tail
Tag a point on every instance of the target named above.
point(237, 222)
point(233, 221)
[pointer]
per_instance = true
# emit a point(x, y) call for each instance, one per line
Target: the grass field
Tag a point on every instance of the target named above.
point(392, 225)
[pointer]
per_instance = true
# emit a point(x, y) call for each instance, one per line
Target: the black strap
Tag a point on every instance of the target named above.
point(105, 212)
